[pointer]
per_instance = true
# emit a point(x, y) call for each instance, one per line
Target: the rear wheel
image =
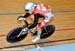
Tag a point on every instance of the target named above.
point(12, 35)
point(47, 31)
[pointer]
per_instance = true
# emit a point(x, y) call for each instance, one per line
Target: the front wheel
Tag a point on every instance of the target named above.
point(12, 35)
point(47, 31)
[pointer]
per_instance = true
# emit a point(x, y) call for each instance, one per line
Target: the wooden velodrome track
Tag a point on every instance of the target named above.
point(64, 20)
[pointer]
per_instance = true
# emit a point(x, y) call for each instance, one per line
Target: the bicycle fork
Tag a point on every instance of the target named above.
point(23, 31)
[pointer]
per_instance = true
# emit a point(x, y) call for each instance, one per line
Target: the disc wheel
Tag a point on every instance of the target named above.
point(47, 31)
point(12, 35)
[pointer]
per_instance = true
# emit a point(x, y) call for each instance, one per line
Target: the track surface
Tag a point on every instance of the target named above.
point(64, 20)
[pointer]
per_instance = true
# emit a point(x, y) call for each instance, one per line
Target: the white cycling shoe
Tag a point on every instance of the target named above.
point(36, 39)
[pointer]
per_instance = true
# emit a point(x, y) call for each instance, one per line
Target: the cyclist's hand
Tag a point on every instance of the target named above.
point(20, 18)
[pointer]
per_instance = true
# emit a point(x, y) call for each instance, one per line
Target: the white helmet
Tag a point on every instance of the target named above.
point(30, 6)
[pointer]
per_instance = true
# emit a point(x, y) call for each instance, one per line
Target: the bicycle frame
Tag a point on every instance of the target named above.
point(24, 26)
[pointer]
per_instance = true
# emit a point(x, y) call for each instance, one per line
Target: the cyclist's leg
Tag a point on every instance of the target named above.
point(48, 17)
point(38, 35)
point(39, 28)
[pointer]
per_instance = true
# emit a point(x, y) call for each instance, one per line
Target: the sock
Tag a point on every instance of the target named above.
point(39, 34)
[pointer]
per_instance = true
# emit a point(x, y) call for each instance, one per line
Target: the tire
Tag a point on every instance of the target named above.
point(50, 30)
point(12, 35)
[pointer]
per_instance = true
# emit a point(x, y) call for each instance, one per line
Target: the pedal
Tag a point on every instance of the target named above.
point(35, 33)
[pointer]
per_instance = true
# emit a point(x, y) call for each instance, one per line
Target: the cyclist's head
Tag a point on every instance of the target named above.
point(29, 6)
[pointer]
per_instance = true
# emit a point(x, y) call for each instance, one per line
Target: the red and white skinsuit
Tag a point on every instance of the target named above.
point(43, 10)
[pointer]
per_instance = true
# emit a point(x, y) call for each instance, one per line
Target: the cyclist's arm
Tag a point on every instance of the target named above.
point(36, 17)
point(35, 22)
point(27, 15)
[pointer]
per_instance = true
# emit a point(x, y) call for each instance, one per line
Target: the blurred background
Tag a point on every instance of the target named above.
point(64, 20)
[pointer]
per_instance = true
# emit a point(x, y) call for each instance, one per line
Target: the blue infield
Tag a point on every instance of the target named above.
point(65, 47)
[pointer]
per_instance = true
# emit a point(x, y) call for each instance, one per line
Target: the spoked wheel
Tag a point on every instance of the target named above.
point(12, 35)
point(47, 31)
